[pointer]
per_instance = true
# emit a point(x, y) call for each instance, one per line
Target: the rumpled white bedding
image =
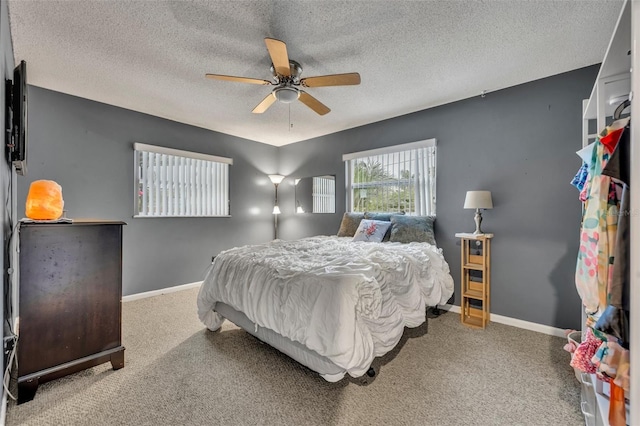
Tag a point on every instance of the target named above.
point(348, 301)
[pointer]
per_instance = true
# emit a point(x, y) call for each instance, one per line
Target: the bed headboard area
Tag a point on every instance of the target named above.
point(403, 228)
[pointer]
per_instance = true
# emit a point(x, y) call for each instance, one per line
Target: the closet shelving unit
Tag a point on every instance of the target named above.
point(615, 83)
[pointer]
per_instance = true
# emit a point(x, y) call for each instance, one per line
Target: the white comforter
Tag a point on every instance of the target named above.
point(348, 301)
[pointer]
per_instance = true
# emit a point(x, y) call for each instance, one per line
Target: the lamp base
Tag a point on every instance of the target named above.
point(478, 220)
point(275, 226)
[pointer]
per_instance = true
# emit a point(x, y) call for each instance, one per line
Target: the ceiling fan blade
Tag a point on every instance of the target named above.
point(265, 104)
point(348, 79)
point(279, 57)
point(313, 103)
point(238, 79)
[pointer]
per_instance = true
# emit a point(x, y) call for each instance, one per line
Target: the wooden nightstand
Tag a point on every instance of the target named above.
point(475, 281)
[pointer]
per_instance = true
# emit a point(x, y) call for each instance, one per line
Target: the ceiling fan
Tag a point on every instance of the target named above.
point(286, 78)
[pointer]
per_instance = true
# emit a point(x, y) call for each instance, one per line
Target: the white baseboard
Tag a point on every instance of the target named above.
point(533, 326)
point(152, 293)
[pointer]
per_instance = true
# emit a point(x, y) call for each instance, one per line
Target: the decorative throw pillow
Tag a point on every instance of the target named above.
point(349, 224)
point(407, 229)
point(384, 217)
point(371, 230)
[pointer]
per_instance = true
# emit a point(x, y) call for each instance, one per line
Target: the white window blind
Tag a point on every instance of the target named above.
point(175, 183)
point(393, 179)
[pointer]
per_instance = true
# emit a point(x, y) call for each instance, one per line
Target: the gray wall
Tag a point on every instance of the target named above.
point(86, 147)
point(520, 144)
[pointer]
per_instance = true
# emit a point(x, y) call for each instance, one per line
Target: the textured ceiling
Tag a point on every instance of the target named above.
point(151, 56)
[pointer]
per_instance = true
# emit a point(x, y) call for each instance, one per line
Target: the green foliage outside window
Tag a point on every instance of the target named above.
point(376, 189)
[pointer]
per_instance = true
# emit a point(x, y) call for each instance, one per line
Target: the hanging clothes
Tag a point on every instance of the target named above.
point(586, 154)
point(603, 264)
point(615, 319)
point(602, 270)
point(593, 256)
point(580, 179)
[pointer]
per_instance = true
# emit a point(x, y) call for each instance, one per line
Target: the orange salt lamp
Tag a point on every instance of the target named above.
point(44, 201)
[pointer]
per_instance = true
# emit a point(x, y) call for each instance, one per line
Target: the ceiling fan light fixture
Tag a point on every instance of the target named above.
point(286, 94)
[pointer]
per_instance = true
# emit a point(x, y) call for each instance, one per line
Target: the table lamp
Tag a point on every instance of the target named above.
point(478, 200)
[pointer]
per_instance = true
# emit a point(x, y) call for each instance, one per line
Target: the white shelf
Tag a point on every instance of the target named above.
point(614, 76)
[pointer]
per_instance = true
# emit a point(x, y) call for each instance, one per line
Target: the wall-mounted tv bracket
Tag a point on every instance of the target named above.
point(8, 116)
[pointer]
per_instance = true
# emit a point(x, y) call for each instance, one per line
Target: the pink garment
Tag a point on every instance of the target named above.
point(581, 358)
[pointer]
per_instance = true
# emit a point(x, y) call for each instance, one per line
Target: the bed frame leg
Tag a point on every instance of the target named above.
point(434, 312)
point(371, 372)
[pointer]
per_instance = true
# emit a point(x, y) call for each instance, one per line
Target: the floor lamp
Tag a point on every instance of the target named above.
point(276, 179)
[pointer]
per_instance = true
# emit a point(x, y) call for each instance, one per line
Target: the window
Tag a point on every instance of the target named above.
point(393, 179)
point(174, 183)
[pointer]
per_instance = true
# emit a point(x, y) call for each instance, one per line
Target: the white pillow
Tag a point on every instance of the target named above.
point(371, 230)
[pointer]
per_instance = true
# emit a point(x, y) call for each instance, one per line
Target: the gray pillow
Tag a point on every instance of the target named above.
point(386, 217)
point(349, 224)
point(407, 229)
point(381, 216)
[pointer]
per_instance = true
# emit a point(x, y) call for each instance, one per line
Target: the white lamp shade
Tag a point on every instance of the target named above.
point(478, 200)
point(299, 209)
point(276, 179)
point(276, 209)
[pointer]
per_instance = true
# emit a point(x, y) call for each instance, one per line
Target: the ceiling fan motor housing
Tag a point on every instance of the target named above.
point(286, 93)
point(296, 70)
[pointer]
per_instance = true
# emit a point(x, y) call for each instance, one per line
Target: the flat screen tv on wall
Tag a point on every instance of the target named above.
point(16, 116)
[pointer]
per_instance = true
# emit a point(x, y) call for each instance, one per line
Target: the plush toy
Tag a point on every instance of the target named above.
point(44, 201)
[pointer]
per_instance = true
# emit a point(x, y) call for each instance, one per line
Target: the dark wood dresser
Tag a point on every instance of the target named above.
point(70, 295)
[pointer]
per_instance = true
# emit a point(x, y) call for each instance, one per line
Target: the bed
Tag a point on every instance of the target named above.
point(329, 302)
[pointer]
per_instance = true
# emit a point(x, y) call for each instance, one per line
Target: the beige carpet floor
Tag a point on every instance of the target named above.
point(178, 373)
